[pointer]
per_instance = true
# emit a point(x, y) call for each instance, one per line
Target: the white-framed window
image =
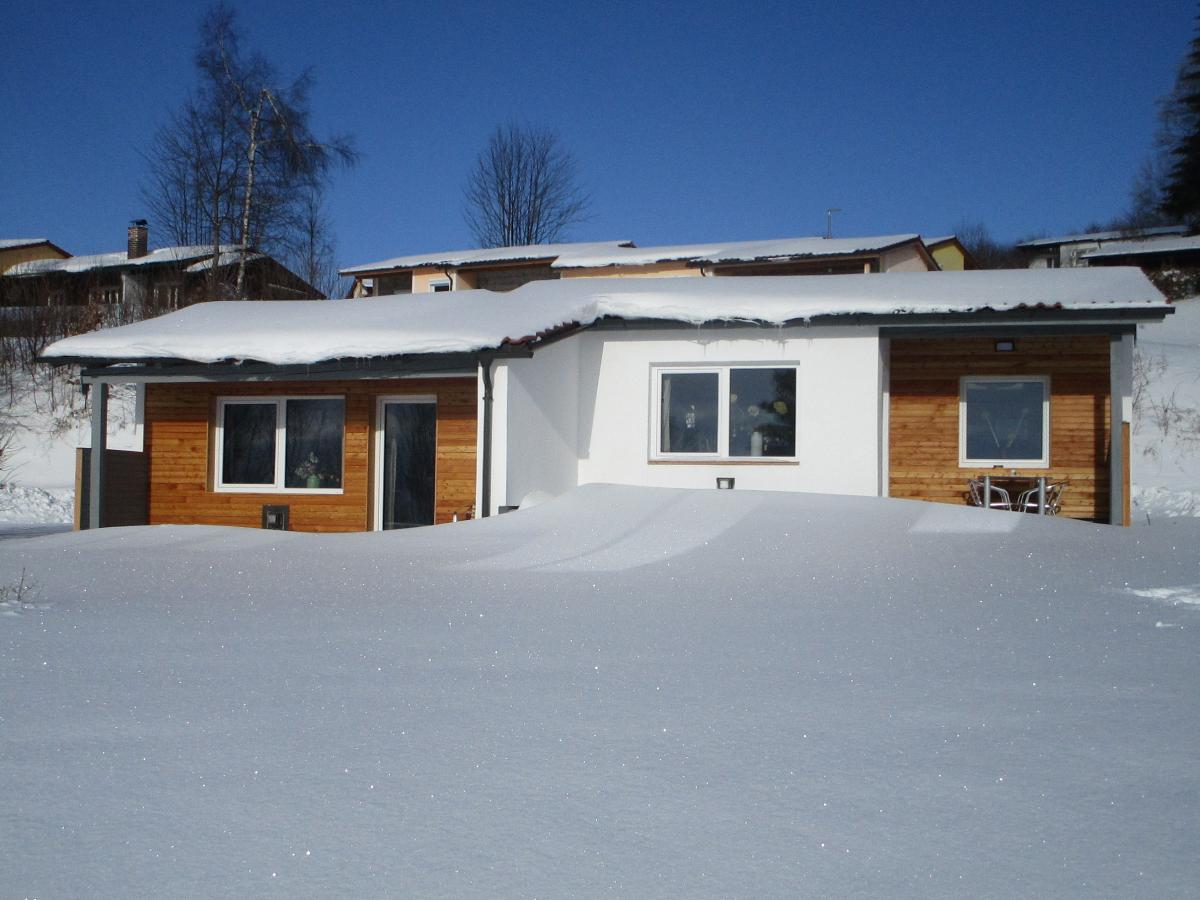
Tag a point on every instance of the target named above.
point(1004, 420)
point(723, 412)
point(280, 444)
point(437, 287)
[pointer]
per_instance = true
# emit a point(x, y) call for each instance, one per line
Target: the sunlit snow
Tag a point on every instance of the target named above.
point(636, 692)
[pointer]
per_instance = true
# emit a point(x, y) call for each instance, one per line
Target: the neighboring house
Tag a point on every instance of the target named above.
point(349, 416)
point(505, 268)
point(139, 281)
point(1168, 252)
point(949, 253)
point(19, 250)
point(1073, 250)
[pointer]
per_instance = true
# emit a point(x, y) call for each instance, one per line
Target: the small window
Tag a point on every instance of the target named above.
point(728, 412)
point(1004, 421)
point(438, 287)
point(276, 444)
point(394, 284)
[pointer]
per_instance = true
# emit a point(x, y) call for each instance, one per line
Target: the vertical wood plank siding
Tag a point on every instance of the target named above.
point(923, 415)
point(180, 442)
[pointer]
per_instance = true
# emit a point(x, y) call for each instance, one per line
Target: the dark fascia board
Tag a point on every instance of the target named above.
point(1057, 319)
point(340, 369)
point(872, 253)
point(450, 267)
point(42, 243)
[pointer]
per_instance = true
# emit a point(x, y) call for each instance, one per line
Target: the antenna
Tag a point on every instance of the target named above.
point(829, 220)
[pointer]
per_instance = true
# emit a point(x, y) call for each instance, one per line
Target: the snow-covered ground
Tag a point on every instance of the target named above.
point(50, 420)
point(35, 506)
point(622, 691)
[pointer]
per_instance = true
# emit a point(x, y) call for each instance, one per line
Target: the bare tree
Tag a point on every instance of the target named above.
point(314, 249)
point(236, 164)
point(523, 189)
point(987, 252)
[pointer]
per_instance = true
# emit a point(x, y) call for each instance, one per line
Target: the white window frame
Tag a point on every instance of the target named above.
point(966, 462)
point(441, 286)
point(280, 403)
point(722, 372)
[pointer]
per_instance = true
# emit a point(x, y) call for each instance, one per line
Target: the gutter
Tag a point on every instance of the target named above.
point(485, 483)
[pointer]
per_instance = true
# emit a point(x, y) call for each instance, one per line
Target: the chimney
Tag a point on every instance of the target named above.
point(139, 239)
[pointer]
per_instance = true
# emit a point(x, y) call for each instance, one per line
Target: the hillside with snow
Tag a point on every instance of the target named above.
point(1166, 439)
point(637, 692)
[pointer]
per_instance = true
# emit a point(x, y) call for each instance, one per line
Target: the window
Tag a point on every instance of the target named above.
point(394, 284)
point(1004, 421)
point(438, 287)
point(108, 295)
point(745, 412)
point(280, 443)
point(166, 294)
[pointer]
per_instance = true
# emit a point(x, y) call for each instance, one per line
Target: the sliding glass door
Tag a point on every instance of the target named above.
point(406, 440)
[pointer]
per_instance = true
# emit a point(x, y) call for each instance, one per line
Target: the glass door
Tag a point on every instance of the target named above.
point(405, 461)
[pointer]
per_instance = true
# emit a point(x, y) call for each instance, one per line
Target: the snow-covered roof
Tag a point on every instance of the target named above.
point(625, 253)
point(119, 259)
point(1134, 248)
point(738, 252)
point(455, 258)
point(305, 331)
point(228, 257)
point(1106, 235)
point(11, 243)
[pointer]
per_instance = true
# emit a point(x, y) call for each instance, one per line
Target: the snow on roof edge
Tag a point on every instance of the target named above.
point(309, 332)
point(605, 254)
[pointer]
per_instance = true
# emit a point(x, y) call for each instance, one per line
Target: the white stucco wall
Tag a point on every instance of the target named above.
point(903, 259)
point(541, 414)
point(598, 386)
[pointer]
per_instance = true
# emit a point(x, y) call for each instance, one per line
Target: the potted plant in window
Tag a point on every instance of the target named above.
point(309, 471)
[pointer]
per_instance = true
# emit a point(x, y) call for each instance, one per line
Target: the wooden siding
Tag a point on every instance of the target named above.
point(180, 440)
point(923, 415)
point(125, 486)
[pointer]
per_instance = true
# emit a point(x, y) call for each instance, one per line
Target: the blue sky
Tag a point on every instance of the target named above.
point(690, 121)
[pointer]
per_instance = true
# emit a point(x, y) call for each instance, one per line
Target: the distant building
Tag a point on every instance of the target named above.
point(506, 268)
point(1072, 250)
point(14, 251)
point(949, 253)
point(139, 281)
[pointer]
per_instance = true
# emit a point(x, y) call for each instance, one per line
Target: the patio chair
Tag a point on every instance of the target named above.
point(1028, 500)
point(998, 497)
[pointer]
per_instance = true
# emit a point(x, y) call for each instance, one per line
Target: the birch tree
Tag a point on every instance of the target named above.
point(238, 163)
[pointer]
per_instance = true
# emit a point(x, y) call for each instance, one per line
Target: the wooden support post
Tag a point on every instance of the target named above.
point(99, 399)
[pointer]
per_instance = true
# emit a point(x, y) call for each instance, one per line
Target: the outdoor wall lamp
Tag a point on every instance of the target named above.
point(724, 483)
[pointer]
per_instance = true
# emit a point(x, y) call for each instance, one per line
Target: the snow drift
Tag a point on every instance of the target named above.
point(629, 691)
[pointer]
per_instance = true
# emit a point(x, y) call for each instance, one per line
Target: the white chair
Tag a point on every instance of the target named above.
point(998, 497)
point(1028, 500)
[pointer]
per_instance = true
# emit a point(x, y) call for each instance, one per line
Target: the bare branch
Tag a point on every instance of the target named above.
point(523, 189)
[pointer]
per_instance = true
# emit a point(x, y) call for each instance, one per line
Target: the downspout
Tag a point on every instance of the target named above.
point(485, 488)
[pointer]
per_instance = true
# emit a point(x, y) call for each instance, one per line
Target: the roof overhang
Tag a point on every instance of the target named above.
point(1039, 321)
